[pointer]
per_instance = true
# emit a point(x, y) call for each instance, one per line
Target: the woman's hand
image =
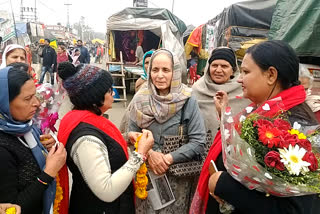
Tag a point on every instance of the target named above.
point(146, 142)
point(133, 136)
point(220, 100)
point(157, 163)
point(55, 160)
point(4, 207)
point(47, 141)
point(212, 186)
point(168, 159)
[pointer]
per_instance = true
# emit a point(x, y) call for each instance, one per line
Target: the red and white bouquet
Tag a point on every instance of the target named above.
point(263, 151)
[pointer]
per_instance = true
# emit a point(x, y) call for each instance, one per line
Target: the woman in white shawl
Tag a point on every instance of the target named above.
point(13, 53)
point(220, 76)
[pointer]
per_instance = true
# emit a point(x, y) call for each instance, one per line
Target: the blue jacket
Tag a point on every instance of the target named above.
point(84, 55)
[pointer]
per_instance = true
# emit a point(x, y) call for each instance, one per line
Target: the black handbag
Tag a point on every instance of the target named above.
point(172, 143)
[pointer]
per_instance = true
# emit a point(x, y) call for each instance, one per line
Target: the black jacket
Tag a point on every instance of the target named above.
point(18, 176)
point(49, 57)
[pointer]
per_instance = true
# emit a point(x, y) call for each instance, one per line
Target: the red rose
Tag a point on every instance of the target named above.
point(262, 122)
point(304, 143)
point(286, 139)
point(282, 124)
point(311, 158)
point(272, 159)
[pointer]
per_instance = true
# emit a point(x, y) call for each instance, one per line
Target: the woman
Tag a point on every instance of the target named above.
point(62, 55)
point(27, 170)
point(269, 69)
point(158, 108)
point(221, 75)
point(13, 53)
point(75, 57)
point(145, 65)
point(98, 157)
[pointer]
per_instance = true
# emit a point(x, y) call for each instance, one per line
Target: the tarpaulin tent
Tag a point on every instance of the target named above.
point(237, 26)
point(299, 25)
point(160, 22)
point(243, 21)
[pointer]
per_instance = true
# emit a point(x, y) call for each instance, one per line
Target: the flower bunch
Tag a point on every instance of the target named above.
point(269, 154)
point(289, 149)
point(141, 177)
point(47, 114)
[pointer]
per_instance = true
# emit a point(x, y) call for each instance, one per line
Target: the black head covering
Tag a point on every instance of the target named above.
point(224, 53)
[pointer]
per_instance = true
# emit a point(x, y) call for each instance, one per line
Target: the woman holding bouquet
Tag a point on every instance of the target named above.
point(27, 170)
point(269, 70)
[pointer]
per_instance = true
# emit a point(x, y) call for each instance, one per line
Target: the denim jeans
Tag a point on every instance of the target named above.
point(44, 70)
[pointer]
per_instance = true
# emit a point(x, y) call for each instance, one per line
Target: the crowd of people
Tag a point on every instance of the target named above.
point(99, 156)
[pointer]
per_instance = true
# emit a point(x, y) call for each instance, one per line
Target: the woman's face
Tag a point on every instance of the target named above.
point(146, 63)
point(16, 55)
point(220, 71)
point(25, 105)
point(108, 100)
point(161, 73)
point(59, 50)
point(254, 81)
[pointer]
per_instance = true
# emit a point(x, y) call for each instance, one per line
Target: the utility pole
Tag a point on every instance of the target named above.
point(68, 21)
point(14, 23)
point(172, 6)
point(35, 10)
point(28, 13)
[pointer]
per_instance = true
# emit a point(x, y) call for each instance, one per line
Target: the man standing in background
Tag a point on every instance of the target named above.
point(84, 53)
point(49, 61)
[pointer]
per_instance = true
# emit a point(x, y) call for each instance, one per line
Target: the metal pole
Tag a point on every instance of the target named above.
point(68, 22)
point(172, 6)
point(14, 22)
point(35, 10)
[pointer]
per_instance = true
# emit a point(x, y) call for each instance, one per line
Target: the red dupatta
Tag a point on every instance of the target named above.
point(290, 98)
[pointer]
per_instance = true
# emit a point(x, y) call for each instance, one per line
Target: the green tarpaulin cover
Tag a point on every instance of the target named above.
point(298, 23)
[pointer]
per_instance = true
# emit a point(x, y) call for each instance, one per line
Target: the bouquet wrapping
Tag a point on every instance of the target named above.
point(47, 114)
point(264, 151)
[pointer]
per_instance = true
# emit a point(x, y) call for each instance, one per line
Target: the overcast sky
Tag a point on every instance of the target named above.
point(96, 12)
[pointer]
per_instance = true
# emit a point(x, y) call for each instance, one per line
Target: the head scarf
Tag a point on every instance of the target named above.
point(224, 53)
point(205, 89)
point(7, 50)
point(148, 106)
point(144, 76)
point(30, 133)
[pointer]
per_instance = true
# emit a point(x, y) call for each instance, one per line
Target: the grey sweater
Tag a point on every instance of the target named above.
point(193, 127)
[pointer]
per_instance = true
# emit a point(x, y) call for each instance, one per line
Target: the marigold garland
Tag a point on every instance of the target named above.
point(59, 196)
point(141, 177)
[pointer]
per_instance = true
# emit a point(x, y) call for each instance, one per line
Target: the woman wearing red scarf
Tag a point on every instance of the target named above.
point(102, 170)
point(269, 69)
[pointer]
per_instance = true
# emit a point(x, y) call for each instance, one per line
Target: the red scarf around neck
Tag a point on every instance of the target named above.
point(290, 98)
point(70, 121)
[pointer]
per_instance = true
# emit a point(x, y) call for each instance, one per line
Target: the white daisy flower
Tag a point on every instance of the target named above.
point(292, 159)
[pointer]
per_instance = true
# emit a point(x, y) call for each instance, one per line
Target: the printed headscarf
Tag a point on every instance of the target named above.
point(149, 106)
